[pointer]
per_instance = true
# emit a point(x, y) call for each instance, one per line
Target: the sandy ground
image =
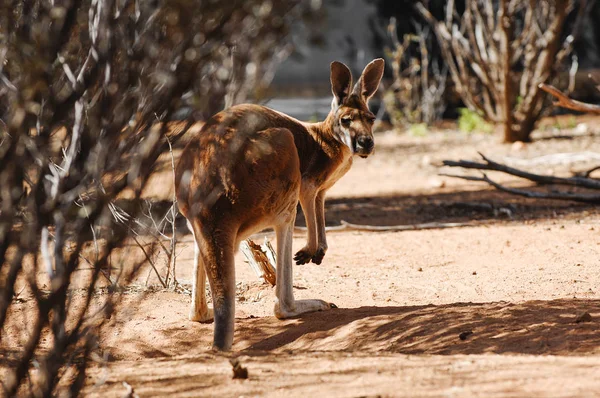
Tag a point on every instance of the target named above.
point(511, 282)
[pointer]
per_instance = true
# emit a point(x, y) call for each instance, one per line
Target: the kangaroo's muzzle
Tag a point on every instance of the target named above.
point(364, 146)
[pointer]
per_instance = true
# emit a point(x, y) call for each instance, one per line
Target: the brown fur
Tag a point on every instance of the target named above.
point(247, 170)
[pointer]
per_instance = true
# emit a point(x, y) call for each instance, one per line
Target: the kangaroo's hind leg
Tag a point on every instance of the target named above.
point(285, 305)
point(217, 256)
point(199, 311)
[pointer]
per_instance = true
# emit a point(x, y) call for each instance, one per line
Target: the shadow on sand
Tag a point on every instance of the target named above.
point(488, 206)
point(532, 327)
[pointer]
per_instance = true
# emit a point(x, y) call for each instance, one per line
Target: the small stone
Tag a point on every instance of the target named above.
point(239, 372)
point(420, 269)
point(474, 272)
point(583, 317)
point(436, 183)
point(581, 128)
point(517, 146)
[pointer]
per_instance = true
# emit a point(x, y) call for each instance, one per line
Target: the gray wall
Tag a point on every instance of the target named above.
point(346, 20)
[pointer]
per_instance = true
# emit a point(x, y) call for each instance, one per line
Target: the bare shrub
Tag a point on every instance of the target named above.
point(86, 92)
point(417, 92)
point(498, 52)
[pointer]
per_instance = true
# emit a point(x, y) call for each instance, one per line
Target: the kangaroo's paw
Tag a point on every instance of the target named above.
point(317, 258)
point(205, 316)
point(306, 255)
point(303, 256)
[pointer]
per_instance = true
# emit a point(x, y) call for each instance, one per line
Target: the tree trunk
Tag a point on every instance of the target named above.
point(504, 28)
point(518, 131)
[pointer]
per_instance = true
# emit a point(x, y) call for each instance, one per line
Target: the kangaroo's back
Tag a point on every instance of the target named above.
point(242, 159)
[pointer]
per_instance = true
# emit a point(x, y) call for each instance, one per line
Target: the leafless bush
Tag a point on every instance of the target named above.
point(417, 92)
point(86, 91)
point(498, 52)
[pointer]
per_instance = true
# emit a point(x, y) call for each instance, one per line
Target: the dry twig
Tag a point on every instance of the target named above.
point(172, 255)
point(565, 102)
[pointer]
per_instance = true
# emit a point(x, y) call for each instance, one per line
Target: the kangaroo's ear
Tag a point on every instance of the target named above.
point(341, 81)
point(368, 82)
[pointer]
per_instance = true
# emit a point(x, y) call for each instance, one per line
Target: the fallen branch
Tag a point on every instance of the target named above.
point(346, 226)
point(261, 259)
point(590, 171)
point(560, 195)
point(569, 103)
point(541, 179)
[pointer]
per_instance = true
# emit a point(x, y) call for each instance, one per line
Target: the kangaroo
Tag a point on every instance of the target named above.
point(247, 169)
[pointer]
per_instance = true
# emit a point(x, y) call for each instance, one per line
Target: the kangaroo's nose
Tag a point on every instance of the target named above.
point(365, 142)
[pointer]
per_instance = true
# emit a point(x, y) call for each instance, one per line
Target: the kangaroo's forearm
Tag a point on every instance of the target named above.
point(307, 201)
point(320, 218)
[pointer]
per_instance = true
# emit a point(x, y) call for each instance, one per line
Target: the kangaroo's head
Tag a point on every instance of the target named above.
point(352, 119)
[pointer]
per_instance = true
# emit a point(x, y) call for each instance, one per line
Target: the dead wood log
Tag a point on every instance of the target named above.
point(565, 102)
point(560, 195)
point(577, 181)
point(538, 178)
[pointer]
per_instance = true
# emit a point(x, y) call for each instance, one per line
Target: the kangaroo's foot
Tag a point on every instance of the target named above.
point(300, 307)
point(203, 316)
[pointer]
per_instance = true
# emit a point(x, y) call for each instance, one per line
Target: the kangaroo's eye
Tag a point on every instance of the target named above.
point(346, 121)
